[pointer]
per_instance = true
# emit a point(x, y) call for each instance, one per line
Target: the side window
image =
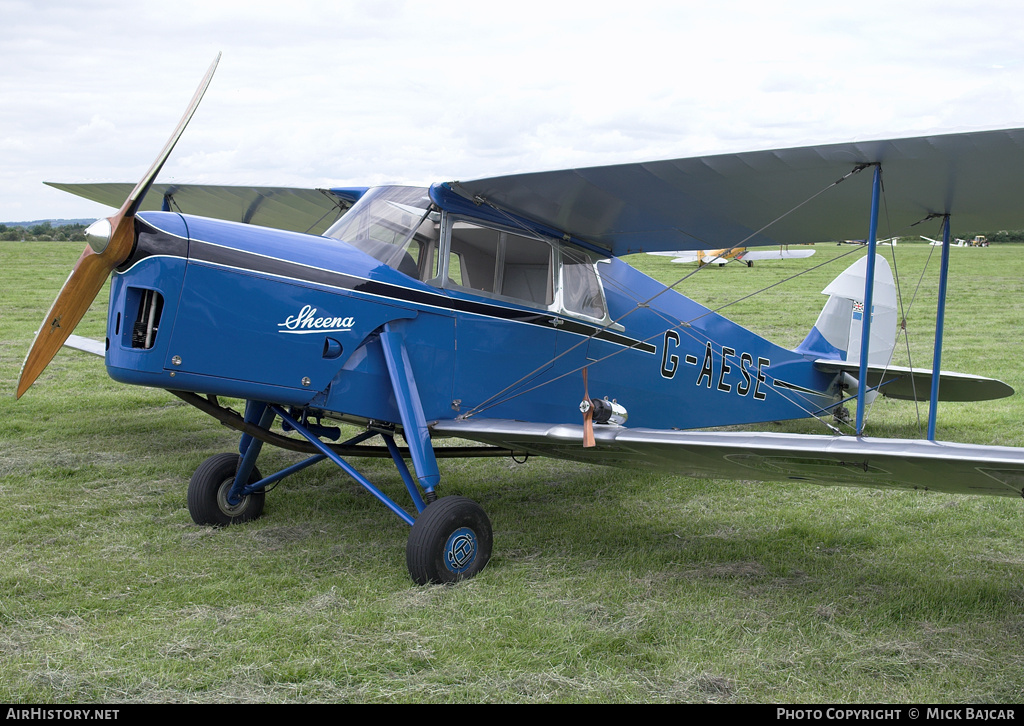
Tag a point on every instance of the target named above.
point(500, 262)
point(477, 250)
point(581, 290)
point(455, 269)
point(526, 270)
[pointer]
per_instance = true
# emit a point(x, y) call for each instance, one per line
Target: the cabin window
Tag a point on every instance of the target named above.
point(582, 293)
point(501, 262)
point(396, 225)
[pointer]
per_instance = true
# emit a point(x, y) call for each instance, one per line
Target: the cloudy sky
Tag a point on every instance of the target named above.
point(332, 93)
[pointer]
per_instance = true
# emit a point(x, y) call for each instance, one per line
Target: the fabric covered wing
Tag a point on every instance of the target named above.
point(840, 460)
point(726, 200)
point(293, 209)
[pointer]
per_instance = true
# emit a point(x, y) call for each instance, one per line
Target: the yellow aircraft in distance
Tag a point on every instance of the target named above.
point(724, 256)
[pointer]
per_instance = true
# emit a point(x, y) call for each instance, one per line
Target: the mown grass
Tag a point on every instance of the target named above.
point(606, 585)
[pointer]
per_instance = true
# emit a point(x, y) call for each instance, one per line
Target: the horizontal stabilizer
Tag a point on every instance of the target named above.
point(914, 384)
point(836, 460)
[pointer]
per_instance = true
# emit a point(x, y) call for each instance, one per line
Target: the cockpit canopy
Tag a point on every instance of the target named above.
point(405, 230)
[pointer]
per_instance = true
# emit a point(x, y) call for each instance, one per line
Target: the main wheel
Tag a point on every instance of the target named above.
point(208, 493)
point(450, 541)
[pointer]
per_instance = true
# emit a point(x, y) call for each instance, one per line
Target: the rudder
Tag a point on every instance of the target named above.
point(837, 333)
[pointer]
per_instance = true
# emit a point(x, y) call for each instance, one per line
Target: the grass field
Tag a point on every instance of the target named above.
point(606, 585)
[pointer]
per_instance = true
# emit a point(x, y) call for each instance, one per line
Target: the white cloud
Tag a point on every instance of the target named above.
point(311, 93)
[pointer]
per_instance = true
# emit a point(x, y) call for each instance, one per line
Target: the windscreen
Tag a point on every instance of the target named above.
point(383, 224)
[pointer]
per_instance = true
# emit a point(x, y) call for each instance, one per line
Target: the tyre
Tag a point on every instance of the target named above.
point(450, 541)
point(208, 493)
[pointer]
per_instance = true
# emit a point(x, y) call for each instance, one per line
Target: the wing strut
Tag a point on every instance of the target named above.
point(940, 320)
point(869, 291)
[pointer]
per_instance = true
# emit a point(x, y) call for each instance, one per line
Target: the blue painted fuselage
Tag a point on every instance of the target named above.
point(295, 319)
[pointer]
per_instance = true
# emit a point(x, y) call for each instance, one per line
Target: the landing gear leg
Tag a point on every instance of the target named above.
point(451, 538)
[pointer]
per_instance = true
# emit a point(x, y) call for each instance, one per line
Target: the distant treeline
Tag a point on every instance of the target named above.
point(44, 232)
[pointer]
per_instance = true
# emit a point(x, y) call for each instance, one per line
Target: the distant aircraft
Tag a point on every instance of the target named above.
point(978, 241)
point(724, 256)
point(938, 243)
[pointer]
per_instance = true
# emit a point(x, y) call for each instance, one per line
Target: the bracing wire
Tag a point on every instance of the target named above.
point(516, 389)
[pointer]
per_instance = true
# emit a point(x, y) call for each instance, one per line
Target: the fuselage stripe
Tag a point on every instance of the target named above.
point(252, 262)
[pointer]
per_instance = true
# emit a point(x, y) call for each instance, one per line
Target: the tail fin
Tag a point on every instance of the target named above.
point(834, 343)
point(837, 333)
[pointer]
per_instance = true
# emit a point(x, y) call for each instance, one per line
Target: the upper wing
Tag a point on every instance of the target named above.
point(842, 460)
point(728, 200)
point(297, 210)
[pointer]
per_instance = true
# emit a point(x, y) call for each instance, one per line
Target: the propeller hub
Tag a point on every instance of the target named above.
point(99, 234)
point(605, 411)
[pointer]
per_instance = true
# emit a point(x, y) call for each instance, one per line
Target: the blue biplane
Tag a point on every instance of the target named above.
point(486, 310)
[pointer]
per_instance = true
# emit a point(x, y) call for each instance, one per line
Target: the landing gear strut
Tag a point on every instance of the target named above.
point(450, 540)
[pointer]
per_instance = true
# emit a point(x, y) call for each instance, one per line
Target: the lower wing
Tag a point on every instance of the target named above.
point(835, 460)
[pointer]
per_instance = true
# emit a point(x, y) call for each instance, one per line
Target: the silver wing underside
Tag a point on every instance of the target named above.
point(834, 460)
point(297, 210)
point(728, 200)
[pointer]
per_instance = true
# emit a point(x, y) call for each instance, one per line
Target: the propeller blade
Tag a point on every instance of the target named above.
point(75, 297)
point(131, 205)
point(588, 416)
point(110, 243)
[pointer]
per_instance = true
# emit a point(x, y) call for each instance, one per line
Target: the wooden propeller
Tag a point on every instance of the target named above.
point(111, 241)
